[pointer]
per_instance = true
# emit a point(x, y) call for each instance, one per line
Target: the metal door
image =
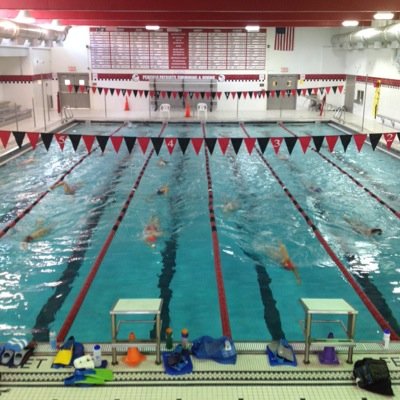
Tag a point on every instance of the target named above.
point(74, 90)
point(278, 83)
point(349, 92)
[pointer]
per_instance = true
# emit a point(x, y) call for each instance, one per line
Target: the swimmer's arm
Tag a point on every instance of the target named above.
point(297, 275)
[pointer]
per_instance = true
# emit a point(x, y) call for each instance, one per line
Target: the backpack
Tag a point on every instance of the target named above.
point(373, 375)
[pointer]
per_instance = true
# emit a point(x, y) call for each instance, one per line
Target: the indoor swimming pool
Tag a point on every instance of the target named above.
point(214, 279)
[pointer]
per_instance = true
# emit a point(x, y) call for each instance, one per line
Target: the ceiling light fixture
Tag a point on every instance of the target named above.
point(384, 15)
point(152, 27)
point(253, 28)
point(350, 22)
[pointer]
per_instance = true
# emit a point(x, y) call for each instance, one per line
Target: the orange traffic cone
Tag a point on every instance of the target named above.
point(126, 108)
point(134, 357)
point(187, 109)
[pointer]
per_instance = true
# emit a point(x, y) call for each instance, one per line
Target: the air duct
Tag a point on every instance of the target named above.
point(19, 32)
point(388, 36)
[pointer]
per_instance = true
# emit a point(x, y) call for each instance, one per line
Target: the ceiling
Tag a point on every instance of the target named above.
point(206, 13)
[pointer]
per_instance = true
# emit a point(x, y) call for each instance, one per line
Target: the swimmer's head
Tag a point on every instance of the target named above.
point(376, 231)
point(151, 239)
point(28, 239)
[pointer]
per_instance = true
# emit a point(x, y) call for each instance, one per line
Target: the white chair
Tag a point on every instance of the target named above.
point(202, 109)
point(165, 110)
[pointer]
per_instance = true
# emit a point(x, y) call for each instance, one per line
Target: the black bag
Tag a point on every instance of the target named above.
point(373, 375)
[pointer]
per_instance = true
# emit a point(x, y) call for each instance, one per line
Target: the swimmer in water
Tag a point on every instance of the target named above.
point(281, 255)
point(152, 231)
point(363, 229)
point(161, 162)
point(68, 189)
point(35, 235)
point(230, 206)
point(163, 190)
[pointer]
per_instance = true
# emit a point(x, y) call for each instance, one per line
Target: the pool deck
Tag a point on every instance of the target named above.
point(250, 378)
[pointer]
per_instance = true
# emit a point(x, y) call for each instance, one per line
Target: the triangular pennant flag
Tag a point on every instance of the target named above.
point(76, 88)
point(174, 94)
point(135, 92)
point(183, 144)
point(82, 89)
point(123, 92)
point(164, 93)
point(210, 143)
point(290, 143)
point(268, 93)
point(398, 136)
point(157, 94)
point(88, 140)
point(180, 94)
point(130, 142)
point(334, 88)
point(19, 138)
point(263, 94)
point(191, 95)
point(33, 138)
point(4, 137)
point(185, 95)
point(94, 89)
point(46, 139)
point(321, 90)
point(219, 95)
point(374, 138)
point(118, 91)
point(314, 91)
point(105, 91)
point(303, 92)
point(276, 144)
point(239, 94)
point(283, 93)
point(328, 89)
point(141, 93)
point(236, 143)
point(170, 142)
point(202, 95)
point(197, 95)
point(359, 139)
point(112, 91)
point(250, 142)
point(70, 88)
point(196, 143)
point(340, 87)
point(227, 94)
point(389, 137)
point(288, 93)
point(318, 140)
point(116, 142)
point(146, 93)
point(208, 95)
point(213, 94)
point(262, 143)
point(143, 143)
point(157, 143)
point(305, 142)
point(102, 141)
point(251, 94)
point(233, 94)
point(75, 139)
point(245, 95)
point(299, 92)
point(345, 139)
point(309, 91)
point(61, 138)
point(277, 92)
point(293, 92)
point(100, 90)
point(129, 92)
point(331, 140)
point(223, 144)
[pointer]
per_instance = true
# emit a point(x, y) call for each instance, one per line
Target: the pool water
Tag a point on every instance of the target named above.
point(40, 284)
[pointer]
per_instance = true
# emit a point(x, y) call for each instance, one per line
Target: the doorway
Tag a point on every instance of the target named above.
point(74, 90)
point(349, 92)
point(278, 83)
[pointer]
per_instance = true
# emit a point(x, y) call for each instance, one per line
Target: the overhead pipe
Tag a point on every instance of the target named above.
point(17, 30)
point(386, 36)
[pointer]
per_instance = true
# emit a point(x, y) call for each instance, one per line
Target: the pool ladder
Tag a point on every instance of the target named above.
point(66, 114)
point(339, 114)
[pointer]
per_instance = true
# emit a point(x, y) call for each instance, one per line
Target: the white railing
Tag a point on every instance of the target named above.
point(66, 114)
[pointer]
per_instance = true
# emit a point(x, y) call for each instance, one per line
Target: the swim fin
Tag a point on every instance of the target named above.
point(64, 356)
point(22, 356)
point(96, 376)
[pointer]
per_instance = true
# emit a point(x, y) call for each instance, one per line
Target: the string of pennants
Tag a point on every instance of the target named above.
point(171, 142)
point(207, 94)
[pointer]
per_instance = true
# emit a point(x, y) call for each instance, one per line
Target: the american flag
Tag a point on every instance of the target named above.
point(284, 39)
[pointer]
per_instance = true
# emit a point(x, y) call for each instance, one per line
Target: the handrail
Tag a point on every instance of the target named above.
point(392, 120)
point(66, 114)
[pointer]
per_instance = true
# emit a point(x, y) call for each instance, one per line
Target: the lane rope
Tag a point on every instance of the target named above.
point(349, 277)
point(223, 308)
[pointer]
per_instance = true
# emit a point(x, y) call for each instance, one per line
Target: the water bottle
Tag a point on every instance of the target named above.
point(386, 339)
point(169, 345)
point(53, 340)
point(97, 355)
point(184, 338)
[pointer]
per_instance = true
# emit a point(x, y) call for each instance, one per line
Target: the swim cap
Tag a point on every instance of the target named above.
point(288, 264)
point(151, 238)
point(29, 238)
